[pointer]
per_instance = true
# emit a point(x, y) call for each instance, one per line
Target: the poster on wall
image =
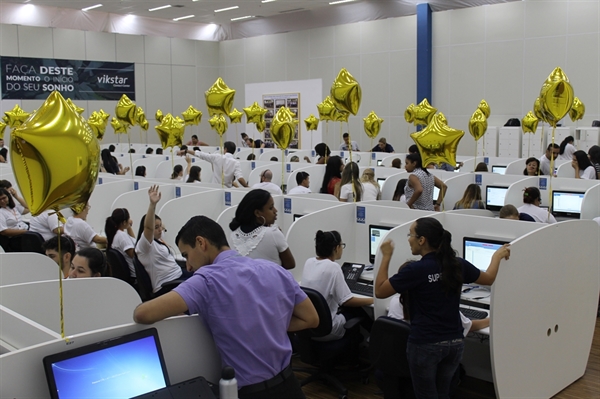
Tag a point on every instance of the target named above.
point(35, 78)
point(272, 103)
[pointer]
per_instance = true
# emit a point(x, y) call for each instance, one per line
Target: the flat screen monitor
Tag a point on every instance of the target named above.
point(567, 203)
point(380, 181)
point(479, 251)
point(500, 169)
point(297, 216)
point(376, 236)
point(379, 162)
point(494, 197)
point(121, 367)
point(436, 193)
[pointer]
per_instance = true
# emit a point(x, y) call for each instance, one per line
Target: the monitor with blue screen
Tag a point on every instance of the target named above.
point(494, 197)
point(479, 251)
point(567, 203)
point(376, 236)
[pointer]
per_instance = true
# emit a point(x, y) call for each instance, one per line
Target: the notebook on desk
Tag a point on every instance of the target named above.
point(352, 275)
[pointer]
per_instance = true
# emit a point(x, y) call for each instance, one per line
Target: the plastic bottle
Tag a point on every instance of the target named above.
point(228, 384)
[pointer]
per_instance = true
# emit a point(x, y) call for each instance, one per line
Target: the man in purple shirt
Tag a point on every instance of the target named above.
point(249, 305)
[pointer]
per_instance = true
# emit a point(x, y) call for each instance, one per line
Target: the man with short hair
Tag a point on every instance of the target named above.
point(303, 181)
point(225, 165)
point(66, 254)
point(248, 305)
point(551, 152)
point(396, 163)
point(347, 144)
point(383, 146)
point(265, 183)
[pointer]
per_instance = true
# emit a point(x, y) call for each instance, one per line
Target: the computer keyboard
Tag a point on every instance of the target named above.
point(473, 314)
point(360, 288)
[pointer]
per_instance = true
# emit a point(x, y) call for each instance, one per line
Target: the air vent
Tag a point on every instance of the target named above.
point(293, 10)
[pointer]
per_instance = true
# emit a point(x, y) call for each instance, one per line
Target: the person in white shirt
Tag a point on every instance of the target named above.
point(567, 149)
point(371, 189)
point(225, 165)
point(348, 144)
point(531, 206)
point(265, 183)
point(120, 236)
point(12, 225)
point(551, 152)
point(81, 232)
point(194, 175)
point(324, 275)
point(46, 224)
point(303, 181)
point(351, 189)
point(583, 166)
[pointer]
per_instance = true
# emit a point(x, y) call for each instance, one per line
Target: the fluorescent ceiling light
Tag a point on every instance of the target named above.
point(245, 17)
point(159, 8)
point(267, 1)
point(227, 9)
point(339, 2)
point(91, 8)
point(186, 17)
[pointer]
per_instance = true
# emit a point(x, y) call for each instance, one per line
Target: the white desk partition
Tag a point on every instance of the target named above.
point(484, 179)
point(126, 159)
point(274, 167)
point(565, 169)
point(165, 168)
point(516, 167)
point(267, 153)
point(25, 267)
point(17, 332)
point(514, 195)
point(590, 206)
point(456, 188)
point(89, 303)
point(248, 166)
point(474, 212)
point(136, 202)
point(243, 152)
point(387, 160)
point(389, 187)
point(300, 154)
point(566, 184)
point(188, 348)
point(315, 175)
point(224, 219)
point(150, 162)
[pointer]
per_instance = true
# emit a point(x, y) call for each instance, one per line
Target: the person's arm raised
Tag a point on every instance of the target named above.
point(154, 197)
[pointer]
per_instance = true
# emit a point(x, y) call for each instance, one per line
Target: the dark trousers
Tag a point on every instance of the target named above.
point(290, 388)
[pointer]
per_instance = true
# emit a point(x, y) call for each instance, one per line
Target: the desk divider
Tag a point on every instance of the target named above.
point(18, 332)
point(25, 267)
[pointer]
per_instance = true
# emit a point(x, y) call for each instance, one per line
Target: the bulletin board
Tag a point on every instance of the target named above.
point(272, 103)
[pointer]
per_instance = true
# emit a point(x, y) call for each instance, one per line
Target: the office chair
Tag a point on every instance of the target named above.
point(526, 217)
point(387, 351)
point(145, 284)
point(119, 266)
point(28, 242)
point(325, 355)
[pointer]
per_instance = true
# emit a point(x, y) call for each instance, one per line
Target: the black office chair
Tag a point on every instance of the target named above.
point(145, 284)
point(119, 266)
point(325, 355)
point(387, 351)
point(526, 217)
point(28, 242)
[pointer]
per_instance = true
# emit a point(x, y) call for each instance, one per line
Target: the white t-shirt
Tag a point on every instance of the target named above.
point(11, 218)
point(371, 192)
point(122, 242)
point(300, 190)
point(326, 277)
point(44, 223)
point(270, 187)
point(545, 165)
point(589, 173)
point(264, 242)
point(347, 194)
point(538, 214)
point(222, 164)
point(158, 262)
point(81, 232)
point(568, 154)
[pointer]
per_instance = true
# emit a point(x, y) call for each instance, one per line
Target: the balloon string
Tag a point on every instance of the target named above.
point(475, 159)
point(172, 159)
point(282, 168)
point(528, 146)
point(130, 157)
point(551, 174)
point(371, 150)
point(483, 147)
point(60, 289)
point(223, 162)
point(29, 179)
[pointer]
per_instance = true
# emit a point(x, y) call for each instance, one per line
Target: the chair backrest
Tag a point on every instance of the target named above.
point(32, 242)
point(387, 346)
point(526, 217)
point(118, 265)
point(143, 279)
point(320, 304)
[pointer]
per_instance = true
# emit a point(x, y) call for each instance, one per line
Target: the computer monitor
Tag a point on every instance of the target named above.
point(500, 169)
point(567, 203)
point(479, 251)
point(494, 197)
point(379, 162)
point(126, 366)
point(436, 193)
point(380, 181)
point(376, 236)
point(297, 216)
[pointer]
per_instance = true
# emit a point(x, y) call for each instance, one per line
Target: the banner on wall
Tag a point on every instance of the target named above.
point(36, 78)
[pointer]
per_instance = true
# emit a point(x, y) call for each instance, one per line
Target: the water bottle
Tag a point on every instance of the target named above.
point(228, 384)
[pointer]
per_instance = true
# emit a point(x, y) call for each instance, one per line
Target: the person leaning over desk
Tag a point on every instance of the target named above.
point(247, 304)
point(436, 342)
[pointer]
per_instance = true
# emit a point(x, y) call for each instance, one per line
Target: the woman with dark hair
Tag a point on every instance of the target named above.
point(419, 187)
point(140, 171)
point(531, 206)
point(323, 151)
point(194, 175)
point(350, 186)
point(11, 221)
point(594, 156)
point(88, 262)
point(567, 149)
point(532, 167)
point(481, 167)
point(254, 234)
point(120, 236)
point(177, 172)
point(159, 151)
point(582, 165)
point(471, 199)
point(110, 164)
point(81, 232)
point(149, 151)
point(399, 192)
point(436, 342)
point(322, 274)
point(333, 175)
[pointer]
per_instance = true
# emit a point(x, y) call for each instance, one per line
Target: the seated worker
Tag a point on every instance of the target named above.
point(531, 206)
point(510, 212)
point(149, 151)
point(66, 254)
point(399, 191)
point(396, 163)
point(347, 144)
point(120, 236)
point(81, 232)
point(303, 181)
point(12, 226)
point(235, 297)
point(481, 167)
point(383, 146)
point(324, 275)
point(265, 183)
point(194, 142)
point(88, 262)
point(471, 198)
point(46, 224)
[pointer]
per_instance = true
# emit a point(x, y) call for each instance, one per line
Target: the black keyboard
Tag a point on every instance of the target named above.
point(473, 314)
point(360, 288)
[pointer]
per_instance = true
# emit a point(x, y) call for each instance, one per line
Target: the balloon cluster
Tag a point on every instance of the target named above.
point(98, 121)
point(170, 131)
point(478, 123)
point(219, 100)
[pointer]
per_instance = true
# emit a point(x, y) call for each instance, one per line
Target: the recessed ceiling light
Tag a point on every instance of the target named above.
point(339, 2)
point(267, 1)
point(245, 17)
point(186, 17)
point(159, 8)
point(227, 9)
point(91, 8)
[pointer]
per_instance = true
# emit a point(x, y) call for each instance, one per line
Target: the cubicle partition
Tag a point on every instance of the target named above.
point(315, 175)
point(25, 267)
point(391, 181)
point(164, 169)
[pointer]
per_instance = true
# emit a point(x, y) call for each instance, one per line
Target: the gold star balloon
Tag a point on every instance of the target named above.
point(219, 98)
point(261, 126)
point(537, 110)
point(283, 127)
point(191, 116)
point(438, 142)
point(311, 123)
point(485, 108)
point(423, 113)
point(140, 118)
point(218, 123)
point(2, 129)
point(77, 109)
point(118, 127)
point(16, 116)
point(235, 116)
point(556, 96)
point(409, 113)
point(159, 115)
point(48, 181)
point(529, 123)
point(346, 92)
point(477, 124)
point(125, 110)
point(372, 124)
point(170, 131)
point(442, 118)
point(254, 113)
point(577, 110)
point(97, 124)
point(104, 115)
point(340, 115)
point(326, 109)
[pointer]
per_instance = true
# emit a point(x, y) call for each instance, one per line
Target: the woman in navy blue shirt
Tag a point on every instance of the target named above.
point(436, 342)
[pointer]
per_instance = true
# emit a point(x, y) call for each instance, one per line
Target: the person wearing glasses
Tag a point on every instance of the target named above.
point(81, 232)
point(324, 275)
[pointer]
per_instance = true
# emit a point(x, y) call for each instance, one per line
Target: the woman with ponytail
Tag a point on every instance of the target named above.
point(350, 186)
point(120, 236)
point(436, 341)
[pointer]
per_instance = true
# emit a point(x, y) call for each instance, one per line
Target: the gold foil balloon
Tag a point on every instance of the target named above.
point(529, 123)
point(261, 126)
point(97, 124)
point(77, 109)
point(104, 115)
point(283, 127)
point(125, 110)
point(191, 116)
point(218, 123)
point(16, 116)
point(170, 131)
point(372, 124)
point(140, 118)
point(312, 123)
point(442, 118)
point(48, 181)
point(409, 113)
point(219, 98)
point(556, 96)
point(346, 93)
point(158, 115)
point(2, 129)
point(326, 109)
point(537, 110)
point(235, 116)
point(254, 113)
point(118, 127)
point(437, 142)
point(577, 110)
point(478, 124)
point(340, 115)
point(423, 113)
point(485, 108)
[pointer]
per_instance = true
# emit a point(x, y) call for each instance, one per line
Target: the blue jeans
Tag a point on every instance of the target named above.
point(432, 367)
